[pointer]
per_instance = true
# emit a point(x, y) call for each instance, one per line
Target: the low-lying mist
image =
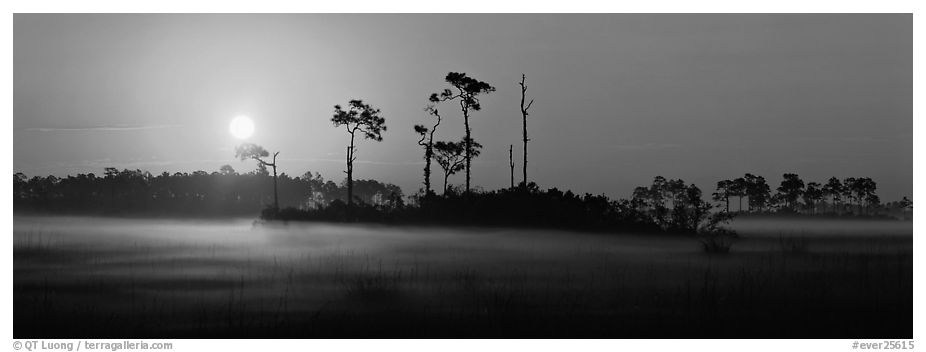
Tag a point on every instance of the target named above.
point(105, 277)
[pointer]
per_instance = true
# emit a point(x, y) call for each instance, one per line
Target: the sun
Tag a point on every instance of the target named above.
point(241, 127)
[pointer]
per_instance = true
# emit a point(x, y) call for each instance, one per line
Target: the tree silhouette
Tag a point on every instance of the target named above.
point(905, 202)
point(467, 91)
point(848, 192)
point(906, 205)
point(428, 146)
point(111, 174)
point(374, 192)
point(688, 209)
point(758, 191)
point(834, 189)
point(812, 194)
point(869, 187)
point(198, 193)
point(658, 191)
point(670, 205)
point(253, 151)
point(358, 117)
point(227, 170)
point(790, 189)
point(861, 190)
point(723, 193)
point(676, 191)
point(873, 201)
point(524, 119)
point(452, 155)
point(19, 185)
point(738, 188)
point(641, 198)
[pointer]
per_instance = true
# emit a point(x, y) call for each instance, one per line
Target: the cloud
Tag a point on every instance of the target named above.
point(121, 164)
point(900, 138)
point(359, 161)
point(644, 146)
point(100, 128)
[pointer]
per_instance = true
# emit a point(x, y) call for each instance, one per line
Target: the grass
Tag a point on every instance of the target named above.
point(377, 285)
point(716, 244)
point(362, 282)
point(792, 244)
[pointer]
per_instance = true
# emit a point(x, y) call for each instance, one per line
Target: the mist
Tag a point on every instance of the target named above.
point(222, 278)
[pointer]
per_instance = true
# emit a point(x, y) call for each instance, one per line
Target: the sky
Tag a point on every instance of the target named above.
point(619, 98)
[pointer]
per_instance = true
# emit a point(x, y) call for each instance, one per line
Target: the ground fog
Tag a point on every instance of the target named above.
point(104, 277)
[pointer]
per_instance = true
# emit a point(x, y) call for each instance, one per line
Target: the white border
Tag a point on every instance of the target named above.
point(420, 6)
point(373, 6)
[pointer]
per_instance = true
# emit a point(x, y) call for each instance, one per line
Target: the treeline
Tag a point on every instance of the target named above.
point(666, 205)
point(311, 197)
point(529, 206)
point(220, 193)
point(852, 196)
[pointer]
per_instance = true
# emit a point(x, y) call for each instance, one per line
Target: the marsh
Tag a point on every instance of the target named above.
point(106, 277)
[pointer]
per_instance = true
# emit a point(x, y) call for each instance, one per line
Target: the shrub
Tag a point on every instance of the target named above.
point(717, 243)
point(714, 237)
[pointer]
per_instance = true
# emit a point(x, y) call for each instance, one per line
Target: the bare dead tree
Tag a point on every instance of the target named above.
point(428, 134)
point(511, 162)
point(524, 117)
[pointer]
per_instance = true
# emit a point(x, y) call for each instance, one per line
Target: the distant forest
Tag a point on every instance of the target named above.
point(668, 205)
point(228, 193)
point(220, 193)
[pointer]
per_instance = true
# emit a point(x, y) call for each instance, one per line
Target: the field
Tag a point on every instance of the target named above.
point(109, 278)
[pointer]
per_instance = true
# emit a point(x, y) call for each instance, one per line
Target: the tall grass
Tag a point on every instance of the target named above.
point(793, 244)
point(597, 291)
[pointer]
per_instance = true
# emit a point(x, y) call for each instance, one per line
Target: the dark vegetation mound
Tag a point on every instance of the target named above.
point(525, 207)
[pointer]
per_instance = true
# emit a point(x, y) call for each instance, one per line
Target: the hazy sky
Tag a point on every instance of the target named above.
point(619, 98)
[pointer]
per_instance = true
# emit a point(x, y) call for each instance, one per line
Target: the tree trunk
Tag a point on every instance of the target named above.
point(350, 173)
point(427, 170)
point(446, 176)
point(468, 144)
point(524, 167)
point(524, 125)
point(429, 154)
point(511, 162)
point(276, 199)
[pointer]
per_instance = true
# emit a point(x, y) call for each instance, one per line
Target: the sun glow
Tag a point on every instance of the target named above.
point(241, 127)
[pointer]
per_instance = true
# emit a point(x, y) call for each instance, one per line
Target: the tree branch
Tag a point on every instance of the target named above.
point(421, 141)
point(264, 162)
